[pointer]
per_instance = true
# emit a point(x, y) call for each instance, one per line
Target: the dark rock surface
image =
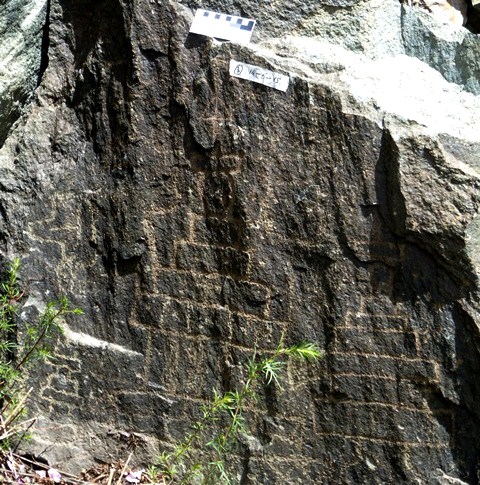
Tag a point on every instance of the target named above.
point(194, 217)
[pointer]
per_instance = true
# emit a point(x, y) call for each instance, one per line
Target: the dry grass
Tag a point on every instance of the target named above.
point(17, 469)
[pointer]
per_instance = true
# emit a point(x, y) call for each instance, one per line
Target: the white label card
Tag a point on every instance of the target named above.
point(259, 75)
point(222, 26)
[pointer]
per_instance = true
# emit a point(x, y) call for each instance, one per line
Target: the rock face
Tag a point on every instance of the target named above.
point(195, 217)
point(21, 61)
point(448, 11)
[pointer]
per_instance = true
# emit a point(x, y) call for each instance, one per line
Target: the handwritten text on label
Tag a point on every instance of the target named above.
point(259, 75)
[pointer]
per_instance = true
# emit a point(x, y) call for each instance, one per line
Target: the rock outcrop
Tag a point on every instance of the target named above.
point(453, 12)
point(195, 217)
point(21, 61)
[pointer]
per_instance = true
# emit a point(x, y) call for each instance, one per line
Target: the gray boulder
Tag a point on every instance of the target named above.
point(21, 33)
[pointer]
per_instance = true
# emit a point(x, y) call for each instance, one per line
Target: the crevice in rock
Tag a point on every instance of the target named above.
point(244, 479)
point(461, 417)
point(100, 96)
point(473, 18)
point(432, 257)
point(45, 45)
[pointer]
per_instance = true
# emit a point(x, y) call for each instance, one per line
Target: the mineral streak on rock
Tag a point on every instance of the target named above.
point(195, 217)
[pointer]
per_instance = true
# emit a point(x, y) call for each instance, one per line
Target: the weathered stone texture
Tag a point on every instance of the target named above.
point(195, 217)
point(21, 60)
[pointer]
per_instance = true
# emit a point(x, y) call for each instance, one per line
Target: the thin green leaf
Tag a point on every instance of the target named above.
point(305, 351)
point(271, 370)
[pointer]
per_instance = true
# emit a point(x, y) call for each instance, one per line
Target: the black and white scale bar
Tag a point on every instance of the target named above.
point(222, 26)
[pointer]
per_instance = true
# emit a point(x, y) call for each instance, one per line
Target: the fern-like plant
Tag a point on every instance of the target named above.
point(184, 464)
point(17, 354)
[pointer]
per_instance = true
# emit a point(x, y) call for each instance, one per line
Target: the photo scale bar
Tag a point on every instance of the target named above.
point(222, 26)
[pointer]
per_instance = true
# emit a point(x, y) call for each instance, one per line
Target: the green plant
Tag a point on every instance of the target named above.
point(152, 473)
point(9, 298)
point(196, 460)
point(17, 354)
